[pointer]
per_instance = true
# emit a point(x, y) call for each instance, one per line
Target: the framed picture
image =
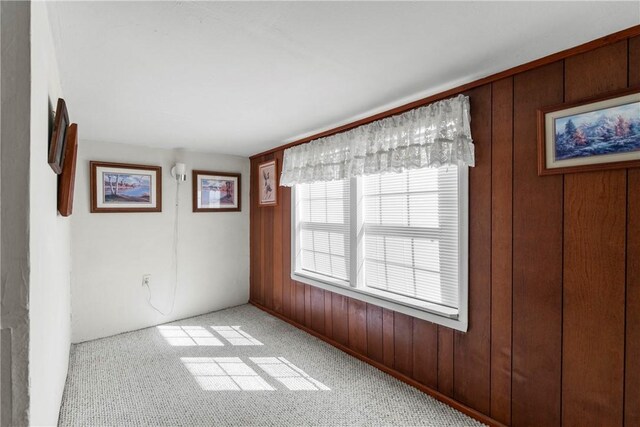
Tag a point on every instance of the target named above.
point(122, 187)
point(58, 137)
point(66, 180)
point(595, 134)
point(268, 183)
point(216, 191)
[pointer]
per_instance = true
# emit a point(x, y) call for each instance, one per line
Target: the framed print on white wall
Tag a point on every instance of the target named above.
point(123, 187)
point(216, 191)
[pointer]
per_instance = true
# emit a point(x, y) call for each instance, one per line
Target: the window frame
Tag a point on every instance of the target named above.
point(435, 313)
point(344, 229)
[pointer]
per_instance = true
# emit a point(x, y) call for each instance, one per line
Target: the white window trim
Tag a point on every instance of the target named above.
point(451, 318)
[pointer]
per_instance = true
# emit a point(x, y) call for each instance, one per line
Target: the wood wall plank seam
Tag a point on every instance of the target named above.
point(626, 281)
point(562, 209)
point(513, 153)
point(632, 299)
point(490, 236)
point(626, 261)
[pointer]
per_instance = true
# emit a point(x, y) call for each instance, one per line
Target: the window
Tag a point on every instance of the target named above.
point(398, 240)
point(323, 229)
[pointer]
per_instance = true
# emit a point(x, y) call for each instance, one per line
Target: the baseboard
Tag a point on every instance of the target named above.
point(410, 381)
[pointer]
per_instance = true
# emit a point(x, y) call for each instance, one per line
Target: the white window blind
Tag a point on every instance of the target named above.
point(411, 234)
point(323, 228)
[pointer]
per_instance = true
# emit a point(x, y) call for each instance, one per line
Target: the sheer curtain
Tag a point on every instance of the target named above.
point(435, 135)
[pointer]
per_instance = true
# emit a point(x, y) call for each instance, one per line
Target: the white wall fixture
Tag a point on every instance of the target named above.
point(179, 172)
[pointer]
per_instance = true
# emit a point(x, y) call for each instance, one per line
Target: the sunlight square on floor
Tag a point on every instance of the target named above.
point(184, 336)
point(235, 336)
point(288, 374)
point(224, 373)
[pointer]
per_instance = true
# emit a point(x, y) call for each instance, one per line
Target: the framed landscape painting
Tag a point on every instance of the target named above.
point(268, 183)
point(216, 191)
point(122, 187)
point(601, 133)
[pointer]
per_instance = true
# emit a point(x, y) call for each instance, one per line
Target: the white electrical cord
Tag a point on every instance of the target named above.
point(175, 257)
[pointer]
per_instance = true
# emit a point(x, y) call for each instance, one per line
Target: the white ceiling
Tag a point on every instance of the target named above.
point(243, 77)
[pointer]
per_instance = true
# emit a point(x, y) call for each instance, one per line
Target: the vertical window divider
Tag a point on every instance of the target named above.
point(326, 219)
point(463, 245)
point(356, 234)
point(295, 232)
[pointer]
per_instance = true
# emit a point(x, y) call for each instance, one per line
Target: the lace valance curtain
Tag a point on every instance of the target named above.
point(435, 135)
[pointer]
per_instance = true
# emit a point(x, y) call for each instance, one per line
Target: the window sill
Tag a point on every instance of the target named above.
point(445, 316)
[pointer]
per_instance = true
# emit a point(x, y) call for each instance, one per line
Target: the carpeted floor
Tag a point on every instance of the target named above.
point(238, 366)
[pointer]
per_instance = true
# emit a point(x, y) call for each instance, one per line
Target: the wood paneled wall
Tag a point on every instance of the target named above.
point(554, 271)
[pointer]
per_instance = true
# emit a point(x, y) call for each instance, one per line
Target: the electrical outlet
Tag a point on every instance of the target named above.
point(146, 279)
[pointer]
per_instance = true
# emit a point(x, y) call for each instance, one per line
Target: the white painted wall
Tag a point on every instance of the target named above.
point(14, 221)
point(111, 251)
point(49, 239)
point(36, 252)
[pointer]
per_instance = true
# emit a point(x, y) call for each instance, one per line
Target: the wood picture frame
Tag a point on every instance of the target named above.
point(593, 134)
point(58, 137)
point(216, 191)
point(66, 180)
point(268, 183)
point(124, 187)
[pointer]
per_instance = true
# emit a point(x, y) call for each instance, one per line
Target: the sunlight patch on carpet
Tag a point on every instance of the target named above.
point(288, 374)
point(224, 374)
point(235, 336)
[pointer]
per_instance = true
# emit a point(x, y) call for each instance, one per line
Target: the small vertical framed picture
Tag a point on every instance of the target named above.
point(58, 137)
point(268, 183)
point(216, 191)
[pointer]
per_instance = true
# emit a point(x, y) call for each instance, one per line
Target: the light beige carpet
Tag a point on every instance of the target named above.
point(238, 366)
